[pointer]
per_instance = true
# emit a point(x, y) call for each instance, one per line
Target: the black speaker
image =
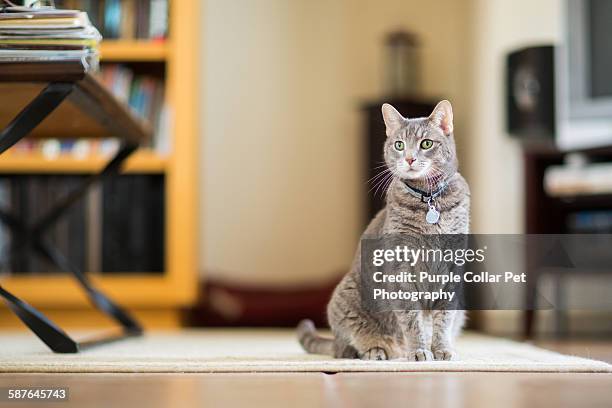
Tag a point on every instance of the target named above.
point(530, 93)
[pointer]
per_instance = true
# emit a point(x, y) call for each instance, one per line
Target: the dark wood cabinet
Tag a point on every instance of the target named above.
point(545, 214)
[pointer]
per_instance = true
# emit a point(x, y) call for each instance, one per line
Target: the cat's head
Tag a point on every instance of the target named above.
point(423, 149)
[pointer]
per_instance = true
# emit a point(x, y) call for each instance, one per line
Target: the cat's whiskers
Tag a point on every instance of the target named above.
point(383, 164)
point(430, 183)
point(396, 175)
point(432, 177)
point(437, 173)
point(386, 188)
point(378, 179)
point(379, 174)
point(388, 177)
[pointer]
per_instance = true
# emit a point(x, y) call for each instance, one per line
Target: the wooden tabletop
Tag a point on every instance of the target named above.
point(62, 71)
point(90, 111)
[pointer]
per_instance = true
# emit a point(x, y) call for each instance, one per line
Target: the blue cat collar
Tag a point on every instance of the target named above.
point(424, 196)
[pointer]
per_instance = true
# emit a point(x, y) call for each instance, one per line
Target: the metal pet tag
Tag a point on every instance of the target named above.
point(433, 215)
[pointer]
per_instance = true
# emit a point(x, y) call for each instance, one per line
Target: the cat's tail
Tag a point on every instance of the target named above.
point(311, 341)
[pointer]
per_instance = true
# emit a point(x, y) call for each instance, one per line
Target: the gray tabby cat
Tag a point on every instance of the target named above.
point(420, 157)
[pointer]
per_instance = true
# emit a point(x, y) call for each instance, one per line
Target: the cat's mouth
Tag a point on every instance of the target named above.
point(412, 173)
point(427, 174)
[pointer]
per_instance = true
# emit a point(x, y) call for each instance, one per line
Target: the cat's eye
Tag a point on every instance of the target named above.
point(399, 145)
point(426, 144)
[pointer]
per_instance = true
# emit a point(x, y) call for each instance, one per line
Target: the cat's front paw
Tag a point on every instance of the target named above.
point(444, 354)
point(375, 353)
point(420, 354)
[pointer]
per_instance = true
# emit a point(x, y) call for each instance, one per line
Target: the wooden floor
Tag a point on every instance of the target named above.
point(341, 390)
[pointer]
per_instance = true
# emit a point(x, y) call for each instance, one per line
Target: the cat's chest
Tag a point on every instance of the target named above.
point(412, 219)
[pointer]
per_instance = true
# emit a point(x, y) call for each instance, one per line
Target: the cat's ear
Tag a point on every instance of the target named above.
point(393, 119)
point(442, 117)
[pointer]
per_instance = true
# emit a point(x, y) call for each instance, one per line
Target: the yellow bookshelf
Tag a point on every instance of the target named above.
point(156, 299)
point(143, 161)
point(134, 50)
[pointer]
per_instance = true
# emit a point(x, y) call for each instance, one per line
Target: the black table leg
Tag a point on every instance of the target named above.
point(53, 336)
point(34, 113)
point(97, 298)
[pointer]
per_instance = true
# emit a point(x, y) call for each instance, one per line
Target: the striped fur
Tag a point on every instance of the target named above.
point(311, 341)
point(413, 334)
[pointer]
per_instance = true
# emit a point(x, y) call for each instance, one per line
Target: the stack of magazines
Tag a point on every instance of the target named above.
point(47, 34)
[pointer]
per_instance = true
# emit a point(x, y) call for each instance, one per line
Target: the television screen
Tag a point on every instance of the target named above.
point(584, 83)
point(600, 33)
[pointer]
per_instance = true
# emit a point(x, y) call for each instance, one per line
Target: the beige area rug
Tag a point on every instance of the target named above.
point(266, 351)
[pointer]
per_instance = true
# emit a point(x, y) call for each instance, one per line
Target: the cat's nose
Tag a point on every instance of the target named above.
point(410, 160)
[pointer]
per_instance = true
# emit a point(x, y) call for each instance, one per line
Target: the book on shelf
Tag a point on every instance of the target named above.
point(145, 95)
point(5, 233)
point(125, 19)
point(117, 227)
point(31, 198)
point(52, 149)
point(112, 18)
point(158, 21)
point(133, 239)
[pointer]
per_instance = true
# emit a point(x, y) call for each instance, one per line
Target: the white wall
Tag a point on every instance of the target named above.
point(278, 166)
point(495, 165)
point(282, 182)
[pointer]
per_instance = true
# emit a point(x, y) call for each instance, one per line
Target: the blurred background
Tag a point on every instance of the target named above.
point(270, 128)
